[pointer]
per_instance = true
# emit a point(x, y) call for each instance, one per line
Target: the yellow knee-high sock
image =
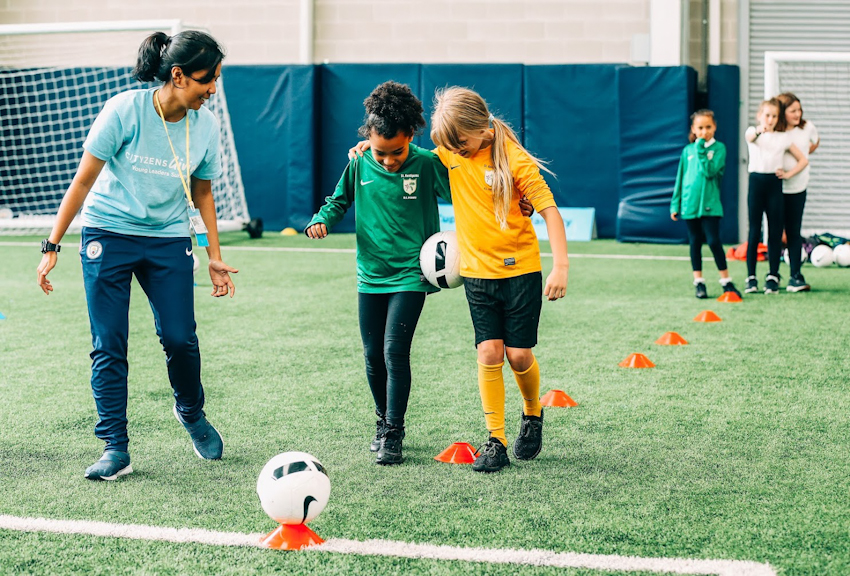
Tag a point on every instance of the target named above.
point(529, 387)
point(491, 385)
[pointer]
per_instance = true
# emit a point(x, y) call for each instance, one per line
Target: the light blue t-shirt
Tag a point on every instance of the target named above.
point(139, 192)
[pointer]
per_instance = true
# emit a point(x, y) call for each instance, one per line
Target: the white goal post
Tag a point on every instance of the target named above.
point(54, 80)
point(821, 80)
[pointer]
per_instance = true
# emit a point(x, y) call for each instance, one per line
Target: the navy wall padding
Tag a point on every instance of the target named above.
point(343, 87)
point(654, 109)
point(272, 112)
point(499, 84)
point(724, 84)
point(570, 121)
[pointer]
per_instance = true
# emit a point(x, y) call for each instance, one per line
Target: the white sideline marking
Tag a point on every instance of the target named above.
point(399, 549)
point(352, 251)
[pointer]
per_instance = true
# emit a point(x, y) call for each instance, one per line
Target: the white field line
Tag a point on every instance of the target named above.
point(352, 251)
point(399, 549)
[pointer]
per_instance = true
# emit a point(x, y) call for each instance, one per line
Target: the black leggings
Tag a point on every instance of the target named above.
point(705, 230)
point(765, 196)
point(794, 205)
point(387, 324)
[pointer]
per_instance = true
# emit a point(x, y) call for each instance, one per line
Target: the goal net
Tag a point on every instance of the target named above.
point(821, 80)
point(54, 80)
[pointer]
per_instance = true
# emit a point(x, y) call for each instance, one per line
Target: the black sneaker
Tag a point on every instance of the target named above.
point(380, 429)
point(701, 291)
point(797, 284)
point(752, 285)
point(530, 440)
point(771, 284)
point(390, 450)
point(729, 287)
point(492, 456)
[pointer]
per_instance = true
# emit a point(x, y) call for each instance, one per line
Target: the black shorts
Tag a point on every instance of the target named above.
point(506, 309)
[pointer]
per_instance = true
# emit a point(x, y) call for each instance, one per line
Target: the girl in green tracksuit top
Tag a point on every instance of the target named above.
point(396, 188)
point(696, 198)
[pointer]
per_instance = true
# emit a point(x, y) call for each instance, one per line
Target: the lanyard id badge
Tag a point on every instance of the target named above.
point(196, 222)
point(198, 226)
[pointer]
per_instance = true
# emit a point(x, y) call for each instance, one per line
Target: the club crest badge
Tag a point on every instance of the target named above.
point(489, 176)
point(94, 250)
point(410, 185)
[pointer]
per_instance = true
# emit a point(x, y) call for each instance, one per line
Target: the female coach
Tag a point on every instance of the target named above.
point(146, 169)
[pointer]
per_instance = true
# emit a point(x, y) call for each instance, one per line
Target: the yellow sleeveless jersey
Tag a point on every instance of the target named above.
point(486, 250)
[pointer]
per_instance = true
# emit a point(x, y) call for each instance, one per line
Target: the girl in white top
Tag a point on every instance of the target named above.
point(767, 143)
point(805, 137)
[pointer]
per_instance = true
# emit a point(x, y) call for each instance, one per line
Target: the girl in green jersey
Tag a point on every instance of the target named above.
point(396, 188)
point(696, 198)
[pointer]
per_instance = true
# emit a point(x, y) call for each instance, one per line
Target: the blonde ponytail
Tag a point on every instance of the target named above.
point(459, 112)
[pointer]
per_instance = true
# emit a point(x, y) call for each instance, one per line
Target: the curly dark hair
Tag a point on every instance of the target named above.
point(392, 108)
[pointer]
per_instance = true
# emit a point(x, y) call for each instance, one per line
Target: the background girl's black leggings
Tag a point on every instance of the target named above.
point(705, 230)
point(387, 324)
point(765, 197)
point(794, 205)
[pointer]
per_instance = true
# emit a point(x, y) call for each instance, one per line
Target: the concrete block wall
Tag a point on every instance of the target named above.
point(267, 31)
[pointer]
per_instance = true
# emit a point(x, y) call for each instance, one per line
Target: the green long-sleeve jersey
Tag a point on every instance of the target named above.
point(697, 190)
point(396, 213)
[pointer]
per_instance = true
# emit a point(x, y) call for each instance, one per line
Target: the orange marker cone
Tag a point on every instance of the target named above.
point(290, 537)
point(671, 339)
point(637, 360)
point(558, 399)
point(729, 297)
point(457, 453)
point(707, 316)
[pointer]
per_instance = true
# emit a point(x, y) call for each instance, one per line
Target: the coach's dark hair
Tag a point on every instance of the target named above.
point(190, 50)
point(392, 108)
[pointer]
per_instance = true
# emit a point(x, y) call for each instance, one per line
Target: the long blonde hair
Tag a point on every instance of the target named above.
point(460, 112)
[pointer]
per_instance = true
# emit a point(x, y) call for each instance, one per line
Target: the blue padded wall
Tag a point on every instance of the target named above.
point(723, 95)
point(654, 109)
point(570, 120)
point(343, 87)
point(499, 84)
point(272, 111)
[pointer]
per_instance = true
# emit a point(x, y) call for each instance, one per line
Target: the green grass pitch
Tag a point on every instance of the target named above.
point(733, 447)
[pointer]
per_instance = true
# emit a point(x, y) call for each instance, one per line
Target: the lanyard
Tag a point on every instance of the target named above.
point(184, 180)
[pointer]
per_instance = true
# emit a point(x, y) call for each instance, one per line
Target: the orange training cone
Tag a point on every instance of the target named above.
point(707, 316)
point(637, 361)
point(558, 399)
point(457, 453)
point(729, 297)
point(290, 537)
point(671, 339)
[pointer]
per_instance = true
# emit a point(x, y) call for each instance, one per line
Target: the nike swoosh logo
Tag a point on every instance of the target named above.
point(362, 183)
point(188, 251)
point(453, 167)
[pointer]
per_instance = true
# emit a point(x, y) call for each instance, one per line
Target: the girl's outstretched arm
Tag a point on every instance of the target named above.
point(556, 282)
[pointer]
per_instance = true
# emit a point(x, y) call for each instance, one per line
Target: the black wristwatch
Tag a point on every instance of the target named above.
point(48, 246)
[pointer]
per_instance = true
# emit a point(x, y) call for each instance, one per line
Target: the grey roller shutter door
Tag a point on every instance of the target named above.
point(810, 26)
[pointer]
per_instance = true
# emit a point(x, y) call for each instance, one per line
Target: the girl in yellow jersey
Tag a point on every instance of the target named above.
point(489, 171)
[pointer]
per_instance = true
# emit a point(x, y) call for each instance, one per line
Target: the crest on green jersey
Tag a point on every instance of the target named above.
point(410, 185)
